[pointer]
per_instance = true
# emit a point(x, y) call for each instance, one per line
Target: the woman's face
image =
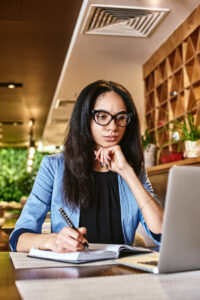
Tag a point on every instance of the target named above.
point(111, 134)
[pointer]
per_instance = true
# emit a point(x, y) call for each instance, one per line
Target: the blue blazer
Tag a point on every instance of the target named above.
point(47, 194)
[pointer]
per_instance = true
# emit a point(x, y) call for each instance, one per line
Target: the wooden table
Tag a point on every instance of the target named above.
point(9, 225)
point(8, 274)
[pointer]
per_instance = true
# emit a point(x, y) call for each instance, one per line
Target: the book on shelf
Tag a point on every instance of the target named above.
point(96, 252)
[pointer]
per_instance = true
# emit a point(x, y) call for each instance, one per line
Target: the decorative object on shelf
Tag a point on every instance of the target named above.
point(171, 150)
point(192, 149)
point(171, 157)
point(150, 149)
point(189, 131)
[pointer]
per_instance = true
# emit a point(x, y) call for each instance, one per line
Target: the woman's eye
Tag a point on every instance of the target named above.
point(121, 117)
point(102, 116)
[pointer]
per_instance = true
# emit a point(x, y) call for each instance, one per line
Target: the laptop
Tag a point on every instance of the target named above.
point(180, 246)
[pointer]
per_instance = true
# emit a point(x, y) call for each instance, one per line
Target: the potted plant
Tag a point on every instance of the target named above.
point(190, 134)
point(150, 149)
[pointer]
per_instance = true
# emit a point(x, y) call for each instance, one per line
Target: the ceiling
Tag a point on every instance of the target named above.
point(34, 38)
point(44, 48)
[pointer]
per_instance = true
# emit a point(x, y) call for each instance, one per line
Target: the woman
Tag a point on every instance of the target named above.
point(99, 180)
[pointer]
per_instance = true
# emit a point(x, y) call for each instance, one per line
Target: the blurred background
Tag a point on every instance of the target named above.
point(50, 50)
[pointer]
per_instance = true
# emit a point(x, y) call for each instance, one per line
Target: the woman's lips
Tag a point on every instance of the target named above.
point(110, 138)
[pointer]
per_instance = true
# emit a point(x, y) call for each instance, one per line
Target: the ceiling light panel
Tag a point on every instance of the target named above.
point(121, 20)
point(11, 85)
point(59, 121)
point(60, 103)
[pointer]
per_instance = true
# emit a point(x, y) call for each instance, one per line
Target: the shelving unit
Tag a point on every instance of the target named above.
point(172, 82)
point(158, 175)
point(164, 168)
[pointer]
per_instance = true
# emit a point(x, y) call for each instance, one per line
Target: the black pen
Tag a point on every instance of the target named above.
point(69, 222)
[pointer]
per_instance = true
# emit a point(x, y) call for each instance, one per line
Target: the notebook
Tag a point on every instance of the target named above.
point(180, 246)
point(96, 252)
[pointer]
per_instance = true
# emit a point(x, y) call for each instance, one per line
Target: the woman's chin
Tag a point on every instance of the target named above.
point(106, 145)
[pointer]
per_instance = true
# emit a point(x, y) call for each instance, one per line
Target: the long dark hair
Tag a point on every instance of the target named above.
point(79, 145)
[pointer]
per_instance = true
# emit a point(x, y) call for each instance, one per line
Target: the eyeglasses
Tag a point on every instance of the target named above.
point(103, 118)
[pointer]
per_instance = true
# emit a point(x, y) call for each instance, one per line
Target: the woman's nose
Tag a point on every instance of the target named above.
point(112, 125)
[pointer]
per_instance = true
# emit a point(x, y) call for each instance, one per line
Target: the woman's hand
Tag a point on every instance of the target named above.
point(67, 240)
point(112, 158)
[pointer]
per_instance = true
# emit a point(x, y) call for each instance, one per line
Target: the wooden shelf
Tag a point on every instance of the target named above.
point(172, 81)
point(165, 167)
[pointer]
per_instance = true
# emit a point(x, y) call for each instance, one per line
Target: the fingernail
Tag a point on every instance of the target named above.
point(101, 164)
point(108, 159)
point(107, 165)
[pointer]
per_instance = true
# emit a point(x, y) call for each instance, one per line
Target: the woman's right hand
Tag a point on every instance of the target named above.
point(67, 240)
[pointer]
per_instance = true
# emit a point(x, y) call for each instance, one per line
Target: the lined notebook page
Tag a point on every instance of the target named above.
point(140, 286)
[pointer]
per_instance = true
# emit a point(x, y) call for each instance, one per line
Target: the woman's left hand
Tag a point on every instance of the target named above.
point(112, 158)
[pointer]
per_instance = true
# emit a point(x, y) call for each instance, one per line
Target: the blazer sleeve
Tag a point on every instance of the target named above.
point(39, 200)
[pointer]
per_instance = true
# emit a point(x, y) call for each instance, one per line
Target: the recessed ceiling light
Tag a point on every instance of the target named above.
point(64, 103)
point(11, 85)
point(12, 123)
point(31, 122)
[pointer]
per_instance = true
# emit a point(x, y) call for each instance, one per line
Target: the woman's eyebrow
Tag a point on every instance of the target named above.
point(103, 110)
point(122, 111)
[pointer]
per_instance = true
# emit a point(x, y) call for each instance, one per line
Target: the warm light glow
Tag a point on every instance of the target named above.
point(30, 123)
point(30, 162)
point(1, 135)
point(11, 86)
point(31, 155)
point(39, 146)
point(29, 169)
point(49, 148)
point(31, 151)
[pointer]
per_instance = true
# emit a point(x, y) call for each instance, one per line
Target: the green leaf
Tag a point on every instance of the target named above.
point(147, 139)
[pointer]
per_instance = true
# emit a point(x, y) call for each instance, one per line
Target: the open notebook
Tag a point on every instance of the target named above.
point(96, 252)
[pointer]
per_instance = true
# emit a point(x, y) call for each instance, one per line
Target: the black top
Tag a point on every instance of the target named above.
point(103, 217)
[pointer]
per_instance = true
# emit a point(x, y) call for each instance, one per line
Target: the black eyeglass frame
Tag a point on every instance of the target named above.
point(129, 116)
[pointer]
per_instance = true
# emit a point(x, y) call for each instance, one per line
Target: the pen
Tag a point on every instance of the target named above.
point(69, 222)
